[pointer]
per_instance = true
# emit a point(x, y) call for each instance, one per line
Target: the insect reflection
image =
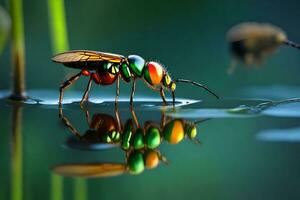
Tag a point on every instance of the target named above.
point(140, 143)
point(251, 43)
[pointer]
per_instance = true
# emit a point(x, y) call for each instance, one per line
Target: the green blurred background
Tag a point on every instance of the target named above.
point(187, 37)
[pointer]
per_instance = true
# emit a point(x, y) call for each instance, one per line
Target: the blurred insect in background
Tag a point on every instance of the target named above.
point(140, 143)
point(106, 68)
point(251, 43)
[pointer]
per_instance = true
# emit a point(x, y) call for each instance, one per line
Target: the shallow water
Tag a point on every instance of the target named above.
point(248, 150)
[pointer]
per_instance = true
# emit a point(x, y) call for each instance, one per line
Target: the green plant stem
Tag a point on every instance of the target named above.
point(16, 157)
point(57, 185)
point(57, 23)
point(18, 54)
point(80, 189)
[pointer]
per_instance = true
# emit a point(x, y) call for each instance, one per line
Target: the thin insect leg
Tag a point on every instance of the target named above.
point(163, 120)
point(118, 118)
point(162, 94)
point(66, 84)
point(117, 90)
point(86, 93)
point(132, 91)
point(134, 118)
point(173, 97)
point(232, 66)
point(70, 126)
point(87, 115)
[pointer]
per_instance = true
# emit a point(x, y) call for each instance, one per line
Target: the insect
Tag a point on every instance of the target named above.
point(140, 143)
point(251, 42)
point(107, 68)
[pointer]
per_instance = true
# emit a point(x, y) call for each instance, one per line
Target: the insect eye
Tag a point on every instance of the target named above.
point(173, 86)
point(167, 80)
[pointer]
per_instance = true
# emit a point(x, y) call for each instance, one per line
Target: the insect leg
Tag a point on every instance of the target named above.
point(117, 90)
point(162, 94)
point(118, 118)
point(173, 96)
point(69, 125)
point(86, 93)
point(135, 119)
point(132, 91)
point(66, 84)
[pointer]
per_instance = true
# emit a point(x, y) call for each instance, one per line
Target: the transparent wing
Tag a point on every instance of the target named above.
point(90, 170)
point(85, 56)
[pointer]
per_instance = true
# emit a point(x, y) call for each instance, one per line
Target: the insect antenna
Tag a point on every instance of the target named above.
point(292, 44)
point(196, 84)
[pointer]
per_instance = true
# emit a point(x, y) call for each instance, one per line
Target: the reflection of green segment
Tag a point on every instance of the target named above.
point(105, 137)
point(127, 134)
point(136, 162)
point(191, 131)
point(109, 137)
point(138, 140)
point(115, 136)
point(153, 137)
point(168, 130)
point(125, 72)
point(136, 64)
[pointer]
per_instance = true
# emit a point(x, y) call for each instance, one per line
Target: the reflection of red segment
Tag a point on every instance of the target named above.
point(104, 78)
point(85, 72)
point(155, 72)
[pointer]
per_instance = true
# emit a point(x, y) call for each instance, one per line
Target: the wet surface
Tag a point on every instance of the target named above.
point(243, 147)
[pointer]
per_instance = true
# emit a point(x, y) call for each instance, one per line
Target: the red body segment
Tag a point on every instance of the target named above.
point(85, 72)
point(104, 78)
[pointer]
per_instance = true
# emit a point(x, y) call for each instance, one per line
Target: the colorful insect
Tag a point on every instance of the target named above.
point(251, 43)
point(140, 144)
point(106, 68)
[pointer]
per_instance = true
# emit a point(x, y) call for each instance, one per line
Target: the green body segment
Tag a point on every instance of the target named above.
point(127, 135)
point(106, 138)
point(136, 163)
point(115, 136)
point(136, 65)
point(138, 139)
point(152, 137)
point(109, 137)
point(147, 76)
point(125, 72)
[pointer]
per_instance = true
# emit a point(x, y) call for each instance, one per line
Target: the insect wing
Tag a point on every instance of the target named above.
point(90, 170)
point(85, 56)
